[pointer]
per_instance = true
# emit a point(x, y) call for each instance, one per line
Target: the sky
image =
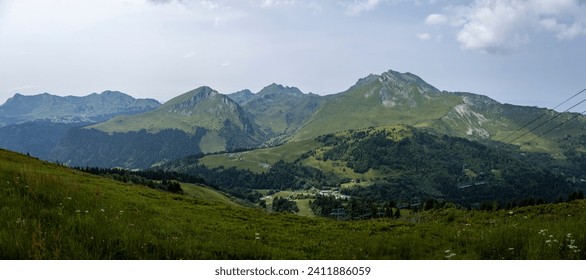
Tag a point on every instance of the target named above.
point(525, 52)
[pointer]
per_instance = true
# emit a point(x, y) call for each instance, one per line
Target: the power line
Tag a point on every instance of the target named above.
point(560, 124)
point(542, 115)
point(547, 121)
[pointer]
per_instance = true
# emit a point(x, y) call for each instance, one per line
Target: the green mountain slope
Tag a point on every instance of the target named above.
point(226, 124)
point(37, 138)
point(51, 212)
point(379, 100)
point(202, 107)
point(479, 117)
point(403, 98)
point(199, 121)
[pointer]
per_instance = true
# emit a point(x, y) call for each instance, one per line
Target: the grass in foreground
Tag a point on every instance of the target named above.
point(51, 212)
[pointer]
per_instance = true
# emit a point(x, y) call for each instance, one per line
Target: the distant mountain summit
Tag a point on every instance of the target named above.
point(91, 108)
point(200, 108)
point(242, 97)
point(379, 100)
point(279, 109)
point(277, 89)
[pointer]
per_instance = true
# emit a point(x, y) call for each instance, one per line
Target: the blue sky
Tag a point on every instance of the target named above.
point(528, 52)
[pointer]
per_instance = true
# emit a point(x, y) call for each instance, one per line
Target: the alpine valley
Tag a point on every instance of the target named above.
point(254, 131)
point(407, 169)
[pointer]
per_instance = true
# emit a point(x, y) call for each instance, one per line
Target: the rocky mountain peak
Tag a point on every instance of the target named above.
point(194, 101)
point(394, 79)
point(277, 89)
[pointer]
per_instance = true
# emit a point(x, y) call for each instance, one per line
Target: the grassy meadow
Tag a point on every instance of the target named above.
point(52, 212)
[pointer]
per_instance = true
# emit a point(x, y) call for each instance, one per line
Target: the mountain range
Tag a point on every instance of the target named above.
point(36, 124)
point(91, 108)
point(206, 121)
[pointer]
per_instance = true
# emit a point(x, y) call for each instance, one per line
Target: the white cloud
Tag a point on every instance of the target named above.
point(210, 5)
point(436, 19)
point(274, 3)
point(501, 26)
point(359, 6)
point(313, 6)
point(563, 31)
point(424, 36)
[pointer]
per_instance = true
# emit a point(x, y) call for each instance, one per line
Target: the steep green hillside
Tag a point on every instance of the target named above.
point(91, 147)
point(379, 100)
point(403, 98)
point(37, 138)
point(481, 118)
point(51, 212)
point(202, 107)
point(200, 121)
point(208, 194)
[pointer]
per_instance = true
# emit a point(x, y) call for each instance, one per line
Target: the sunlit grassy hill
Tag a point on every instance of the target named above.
point(51, 212)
